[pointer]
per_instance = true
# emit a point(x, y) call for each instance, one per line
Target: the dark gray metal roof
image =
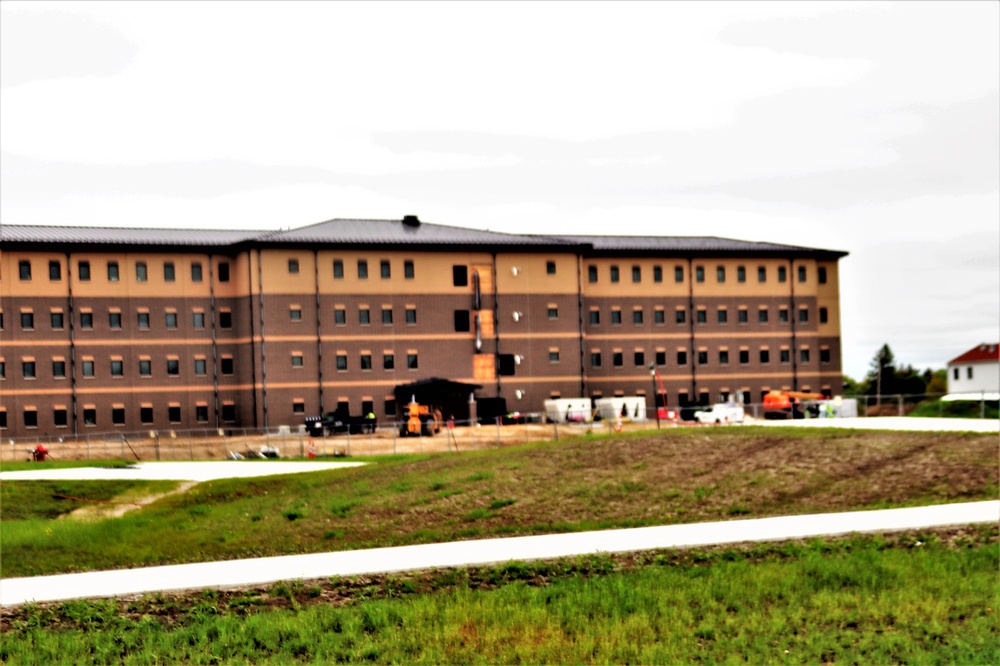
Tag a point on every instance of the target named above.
point(398, 232)
point(687, 244)
point(13, 233)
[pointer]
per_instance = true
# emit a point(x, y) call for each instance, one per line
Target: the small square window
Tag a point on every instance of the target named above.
point(802, 273)
point(682, 358)
point(636, 316)
point(699, 274)
point(459, 276)
point(723, 316)
point(226, 365)
point(636, 274)
point(56, 319)
point(196, 271)
point(174, 413)
point(783, 315)
point(702, 316)
point(28, 320)
point(553, 313)
point(341, 362)
point(762, 315)
point(702, 357)
point(742, 316)
point(591, 274)
point(388, 361)
point(223, 271)
point(678, 274)
point(385, 269)
point(824, 355)
point(55, 271)
point(803, 315)
point(118, 416)
point(298, 407)
point(366, 361)
point(553, 357)
point(362, 269)
point(198, 319)
point(595, 317)
point(595, 359)
point(201, 413)
point(615, 275)
point(616, 316)
point(782, 274)
point(173, 367)
point(661, 358)
point(141, 271)
point(143, 320)
point(200, 367)
point(338, 269)
point(229, 413)
point(59, 419)
point(741, 274)
point(30, 418)
point(412, 362)
point(24, 269)
point(657, 274)
point(87, 320)
point(28, 369)
point(113, 271)
point(87, 368)
point(785, 356)
point(411, 316)
point(171, 320)
point(550, 268)
point(659, 316)
point(723, 357)
point(295, 314)
point(115, 320)
point(169, 272)
point(803, 356)
point(340, 316)
point(117, 368)
point(364, 316)
point(89, 416)
point(225, 319)
point(83, 271)
point(59, 369)
point(146, 415)
point(462, 321)
point(761, 274)
point(408, 272)
point(386, 315)
point(145, 368)
point(680, 316)
point(297, 360)
point(617, 359)
point(293, 266)
point(640, 359)
point(744, 356)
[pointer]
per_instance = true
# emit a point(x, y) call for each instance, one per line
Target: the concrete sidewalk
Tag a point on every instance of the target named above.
point(236, 573)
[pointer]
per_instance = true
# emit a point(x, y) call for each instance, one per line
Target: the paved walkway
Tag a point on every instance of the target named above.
point(235, 573)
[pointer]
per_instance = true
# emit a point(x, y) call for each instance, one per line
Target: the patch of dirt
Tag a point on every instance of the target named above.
point(119, 506)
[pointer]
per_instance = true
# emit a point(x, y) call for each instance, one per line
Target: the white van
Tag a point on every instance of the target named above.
point(721, 413)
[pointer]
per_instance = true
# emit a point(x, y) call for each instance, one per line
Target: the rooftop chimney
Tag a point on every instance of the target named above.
point(411, 221)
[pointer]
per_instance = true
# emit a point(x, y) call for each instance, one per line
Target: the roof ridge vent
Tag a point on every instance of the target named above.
point(411, 221)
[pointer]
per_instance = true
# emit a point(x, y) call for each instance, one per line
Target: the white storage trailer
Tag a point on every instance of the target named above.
point(568, 410)
point(632, 408)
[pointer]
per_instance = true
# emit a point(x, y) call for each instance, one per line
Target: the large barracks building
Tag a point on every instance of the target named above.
point(105, 329)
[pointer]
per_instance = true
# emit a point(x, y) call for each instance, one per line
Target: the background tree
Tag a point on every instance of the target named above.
point(881, 372)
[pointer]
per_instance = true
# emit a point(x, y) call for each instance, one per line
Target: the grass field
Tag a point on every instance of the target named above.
point(856, 600)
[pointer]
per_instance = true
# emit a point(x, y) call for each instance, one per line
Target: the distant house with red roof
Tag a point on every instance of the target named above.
point(975, 372)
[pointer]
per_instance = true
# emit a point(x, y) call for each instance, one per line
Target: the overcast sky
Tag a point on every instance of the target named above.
point(867, 127)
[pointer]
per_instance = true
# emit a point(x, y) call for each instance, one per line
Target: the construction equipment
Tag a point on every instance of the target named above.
point(422, 421)
point(787, 404)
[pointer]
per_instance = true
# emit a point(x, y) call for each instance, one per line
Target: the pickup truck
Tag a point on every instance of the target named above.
point(720, 414)
point(336, 423)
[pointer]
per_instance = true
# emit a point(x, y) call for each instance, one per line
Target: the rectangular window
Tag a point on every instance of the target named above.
point(459, 276)
point(366, 362)
point(24, 269)
point(143, 320)
point(385, 269)
point(223, 271)
point(703, 357)
point(636, 274)
point(824, 355)
point(198, 319)
point(803, 315)
point(616, 316)
point(615, 276)
point(87, 367)
point(803, 356)
point(702, 315)
point(462, 323)
point(141, 271)
point(56, 319)
point(744, 356)
point(802, 273)
point(783, 315)
point(785, 356)
point(408, 269)
point(765, 356)
point(762, 315)
point(364, 316)
point(636, 316)
point(617, 359)
point(297, 359)
point(782, 274)
point(595, 317)
point(226, 365)
point(338, 269)
point(3, 369)
point(228, 412)
point(553, 356)
point(659, 316)
point(412, 362)
point(28, 369)
point(174, 413)
point(657, 274)
point(699, 274)
point(741, 273)
point(550, 268)
point(3, 419)
point(115, 320)
point(723, 357)
point(340, 316)
point(661, 357)
point(742, 316)
point(145, 367)
point(640, 359)
point(362, 269)
point(388, 361)
point(89, 415)
point(196, 272)
point(342, 362)
point(146, 415)
point(55, 271)
point(169, 272)
point(823, 316)
point(170, 319)
point(761, 274)
point(86, 319)
point(173, 367)
point(411, 315)
point(200, 367)
point(113, 271)
point(591, 274)
point(968, 372)
point(821, 275)
point(723, 316)
point(117, 367)
point(386, 315)
point(30, 417)
point(225, 319)
point(553, 312)
point(678, 274)
point(293, 266)
point(83, 271)
point(59, 418)
point(720, 274)
point(201, 413)
point(682, 358)
point(595, 359)
point(28, 321)
point(954, 374)
point(295, 313)
point(117, 415)
point(59, 369)
point(298, 407)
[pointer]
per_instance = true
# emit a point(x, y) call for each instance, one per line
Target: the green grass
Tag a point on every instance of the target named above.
point(960, 409)
point(912, 599)
point(679, 476)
